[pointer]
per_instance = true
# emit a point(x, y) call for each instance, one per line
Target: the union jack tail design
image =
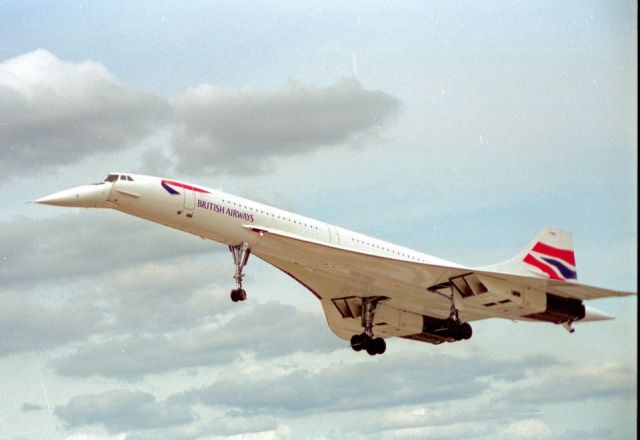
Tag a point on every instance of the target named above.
point(548, 255)
point(559, 264)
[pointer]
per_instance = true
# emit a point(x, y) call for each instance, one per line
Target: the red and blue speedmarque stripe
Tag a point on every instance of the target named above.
point(169, 184)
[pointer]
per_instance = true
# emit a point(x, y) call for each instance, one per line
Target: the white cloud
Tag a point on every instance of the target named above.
point(30, 407)
point(82, 436)
point(216, 425)
point(265, 330)
point(121, 410)
point(84, 243)
point(137, 415)
point(475, 429)
point(27, 324)
point(348, 386)
point(57, 112)
point(238, 130)
point(570, 382)
point(161, 297)
point(528, 429)
point(54, 112)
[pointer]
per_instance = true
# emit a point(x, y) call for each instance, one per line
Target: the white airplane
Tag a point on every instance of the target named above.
point(370, 290)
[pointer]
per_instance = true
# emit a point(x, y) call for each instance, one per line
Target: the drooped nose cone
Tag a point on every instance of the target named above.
point(87, 196)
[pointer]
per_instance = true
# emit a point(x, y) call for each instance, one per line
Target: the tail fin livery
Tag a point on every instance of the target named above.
point(549, 254)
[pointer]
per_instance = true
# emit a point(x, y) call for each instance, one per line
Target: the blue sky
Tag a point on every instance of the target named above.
point(455, 128)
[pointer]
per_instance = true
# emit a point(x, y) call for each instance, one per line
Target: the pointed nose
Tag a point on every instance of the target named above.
point(87, 196)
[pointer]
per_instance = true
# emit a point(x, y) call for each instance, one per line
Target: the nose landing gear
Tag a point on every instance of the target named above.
point(238, 295)
point(241, 255)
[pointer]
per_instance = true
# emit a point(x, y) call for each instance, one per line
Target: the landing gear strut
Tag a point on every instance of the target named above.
point(366, 340)
point(569, 326)
point(241, 255)
point(460, 330)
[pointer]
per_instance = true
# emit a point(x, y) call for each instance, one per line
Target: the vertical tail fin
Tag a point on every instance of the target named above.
point(548, 255)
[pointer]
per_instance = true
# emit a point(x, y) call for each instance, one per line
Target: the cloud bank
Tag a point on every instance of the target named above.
point(54, 112)
point(58, 112)
point(37, 249)
point(235, 130)
point(122, 409)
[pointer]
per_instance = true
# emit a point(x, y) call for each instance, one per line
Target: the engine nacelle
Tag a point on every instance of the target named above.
point(560, 310)
point(437, 331)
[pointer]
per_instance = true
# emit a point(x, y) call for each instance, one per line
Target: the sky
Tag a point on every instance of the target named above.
point(455, 128)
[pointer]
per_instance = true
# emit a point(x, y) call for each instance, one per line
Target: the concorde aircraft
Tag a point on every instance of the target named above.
point(370, 290)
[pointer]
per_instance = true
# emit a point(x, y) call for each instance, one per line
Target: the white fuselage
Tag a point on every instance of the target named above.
point(224, 218)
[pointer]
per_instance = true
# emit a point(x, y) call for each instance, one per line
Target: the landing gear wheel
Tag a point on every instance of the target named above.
point(380, 345)
point(358, 342)
point(464, 331)
point(371, 348)
point(238, 295)
point(375, 346)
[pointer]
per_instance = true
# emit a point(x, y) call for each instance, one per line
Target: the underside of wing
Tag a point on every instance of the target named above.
point(412, 293)
point(343, 279)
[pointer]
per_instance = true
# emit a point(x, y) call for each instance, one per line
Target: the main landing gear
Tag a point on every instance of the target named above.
point(241, 255)
point(372, 345)
point(366, 340)
point(460, 330)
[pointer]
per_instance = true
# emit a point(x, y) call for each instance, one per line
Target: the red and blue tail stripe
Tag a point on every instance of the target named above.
point(169, 185)
point(558, 264)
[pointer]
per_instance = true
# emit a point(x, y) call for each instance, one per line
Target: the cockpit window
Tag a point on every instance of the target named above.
point(123, 177)
point(111, 178)
point(129, 179)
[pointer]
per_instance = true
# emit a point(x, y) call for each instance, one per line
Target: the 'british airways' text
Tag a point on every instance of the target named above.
point(219, 209)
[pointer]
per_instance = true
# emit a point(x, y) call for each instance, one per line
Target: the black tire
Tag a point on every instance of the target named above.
point(464, 331)
point(371, 349)
point(234, 295)
point(379, 345)
point(358, 342)
point(242, 295)
point(451, 324)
